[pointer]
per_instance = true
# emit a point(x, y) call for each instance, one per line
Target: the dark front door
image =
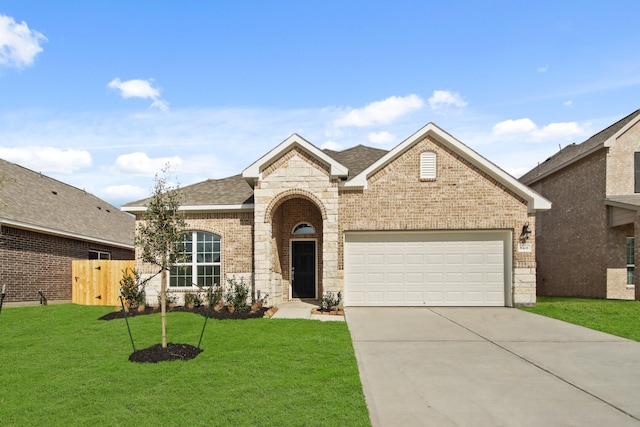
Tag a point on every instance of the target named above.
point(303, 268)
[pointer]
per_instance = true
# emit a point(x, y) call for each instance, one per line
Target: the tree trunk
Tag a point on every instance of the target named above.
point(163, 305)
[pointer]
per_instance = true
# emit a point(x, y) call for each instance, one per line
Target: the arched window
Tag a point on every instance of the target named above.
point(198, 260)
point(303, 228)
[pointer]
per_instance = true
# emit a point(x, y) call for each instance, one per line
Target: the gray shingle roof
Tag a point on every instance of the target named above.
point(357, 158)
point(572, 152)
point(30, 199)
point(233, 190)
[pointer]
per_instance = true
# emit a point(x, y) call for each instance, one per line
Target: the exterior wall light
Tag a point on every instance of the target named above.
point(526, 233)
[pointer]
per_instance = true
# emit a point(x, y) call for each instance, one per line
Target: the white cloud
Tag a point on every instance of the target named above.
point(381, 112)
point(19, 45)
point(528, 129)
point(330, 145)
point(133, 192)
point(161, 105)
point(442, 99)
point(381, 137)
point(559, 131)
point(568, 103)
point(137, 88)
point(140, 163)
point(47, 159)
point(514, 126)
point(543, 69)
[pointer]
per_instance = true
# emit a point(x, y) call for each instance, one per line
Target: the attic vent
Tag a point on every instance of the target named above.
point(428, 165)
point(55, 193)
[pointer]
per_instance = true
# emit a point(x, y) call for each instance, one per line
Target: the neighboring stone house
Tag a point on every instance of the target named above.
point(44, 225)
point(429, 223)
point(587, 245)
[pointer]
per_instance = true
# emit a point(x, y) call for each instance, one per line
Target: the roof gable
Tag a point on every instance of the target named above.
point(574, 152)
point(36, 202)
point(254, 171)
point(535, 201)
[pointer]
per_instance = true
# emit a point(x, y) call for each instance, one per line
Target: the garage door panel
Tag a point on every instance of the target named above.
point(395, 259)
point(394, 278)
point(416, 269)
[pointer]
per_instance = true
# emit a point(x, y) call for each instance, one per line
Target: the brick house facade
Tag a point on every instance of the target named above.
point(45, 225)
point(587, 243)
point(314, 218)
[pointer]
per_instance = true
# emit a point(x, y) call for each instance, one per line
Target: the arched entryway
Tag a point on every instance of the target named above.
point(297, 228)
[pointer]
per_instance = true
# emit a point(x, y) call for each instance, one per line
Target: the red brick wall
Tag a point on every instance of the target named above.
point(572, 239)
point(31, 261)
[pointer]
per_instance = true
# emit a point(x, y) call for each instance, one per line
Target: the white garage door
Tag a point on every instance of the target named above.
point(426, 268)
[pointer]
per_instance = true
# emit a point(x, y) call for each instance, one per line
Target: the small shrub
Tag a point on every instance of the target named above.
point(171, 299)
point(213, 294)
point(330, 301)
point(132, 289)
point(237, 294)
point(189, 298)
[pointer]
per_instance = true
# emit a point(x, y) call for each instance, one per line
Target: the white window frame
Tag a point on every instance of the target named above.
point(428, 164)
point(630, 265)
point(304, 223)
point(101, 255)
point(194, 264)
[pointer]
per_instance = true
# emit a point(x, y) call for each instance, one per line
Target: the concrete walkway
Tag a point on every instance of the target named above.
point(302, 310)
point(491, 367)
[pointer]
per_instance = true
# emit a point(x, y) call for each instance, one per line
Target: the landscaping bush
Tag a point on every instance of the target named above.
point(132, 289)
point(237, 294)
point(214, 294)
point(329, 301)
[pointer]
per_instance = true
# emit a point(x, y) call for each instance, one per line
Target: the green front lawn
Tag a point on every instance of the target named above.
point(621, 318)
point(60, 365)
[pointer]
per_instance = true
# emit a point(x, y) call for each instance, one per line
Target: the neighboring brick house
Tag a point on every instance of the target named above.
point(587, 245)
point(429, 223)
point(44, 225)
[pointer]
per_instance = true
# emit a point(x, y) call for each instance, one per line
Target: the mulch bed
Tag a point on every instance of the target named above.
point(156, 353)
point(203, 311)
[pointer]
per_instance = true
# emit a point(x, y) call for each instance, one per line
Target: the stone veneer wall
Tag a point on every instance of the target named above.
point(30, 262)
point(293, 175)
point(460, 198)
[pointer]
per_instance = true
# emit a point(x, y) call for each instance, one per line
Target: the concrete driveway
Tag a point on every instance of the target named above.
point(491, 367)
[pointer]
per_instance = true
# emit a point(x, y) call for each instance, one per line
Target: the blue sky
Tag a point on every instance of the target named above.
point(102, 94)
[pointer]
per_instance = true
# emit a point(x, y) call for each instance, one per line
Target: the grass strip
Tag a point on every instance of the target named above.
point(621, 318)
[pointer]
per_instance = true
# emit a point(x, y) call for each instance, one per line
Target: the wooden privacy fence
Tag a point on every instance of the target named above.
point(96, 282)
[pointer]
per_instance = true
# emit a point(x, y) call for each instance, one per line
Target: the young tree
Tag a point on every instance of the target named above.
point(158, 233)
